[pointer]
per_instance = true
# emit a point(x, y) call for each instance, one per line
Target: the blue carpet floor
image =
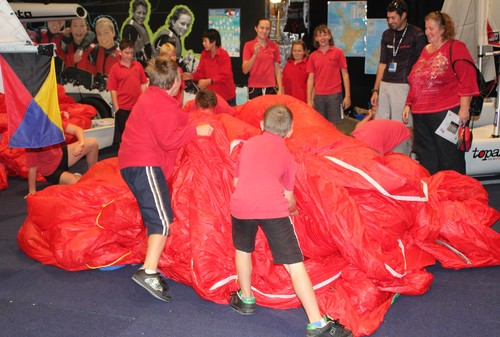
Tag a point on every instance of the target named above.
point(38, 300)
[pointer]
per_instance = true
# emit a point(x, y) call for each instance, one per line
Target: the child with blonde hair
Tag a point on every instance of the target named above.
point(169, 50)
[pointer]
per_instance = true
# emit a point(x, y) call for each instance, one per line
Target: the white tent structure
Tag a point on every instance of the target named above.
point(479, 28)
point(472, 19)
point(13, 36)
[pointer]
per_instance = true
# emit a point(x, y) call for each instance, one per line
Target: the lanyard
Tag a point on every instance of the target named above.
point(395, 50)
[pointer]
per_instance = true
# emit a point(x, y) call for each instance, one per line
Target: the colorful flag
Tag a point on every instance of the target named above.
point(28, 81)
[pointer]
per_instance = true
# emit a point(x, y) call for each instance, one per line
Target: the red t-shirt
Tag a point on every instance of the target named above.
point(265, 168)
point(262, 72)
point(219, 69)
point(156, 129)
point(45, 159)
point(326, 68)
point(433, 84)
point(382, 134)
point(295, 79)
point(126, 81)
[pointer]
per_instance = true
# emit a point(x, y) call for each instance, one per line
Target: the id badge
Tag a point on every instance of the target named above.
point(392, 67)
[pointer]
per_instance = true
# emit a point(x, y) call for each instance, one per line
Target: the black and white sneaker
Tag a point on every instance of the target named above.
point(154, 283)
point(332, 329)
point(242, 306)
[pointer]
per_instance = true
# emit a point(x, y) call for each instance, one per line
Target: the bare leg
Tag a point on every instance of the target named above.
point(90, 152)
point(243, 262)
point(304, 290)
point(156, 244)
point(68, 178)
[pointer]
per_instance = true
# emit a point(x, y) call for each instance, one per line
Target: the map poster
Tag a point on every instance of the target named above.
point(227, 22)
point(374, 30)
point(347, 21)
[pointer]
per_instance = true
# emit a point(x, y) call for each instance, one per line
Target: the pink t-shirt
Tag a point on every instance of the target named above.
point(262, 72)
point(382, 134)
point(264, 170)
point(295, 79)
point(326, 68)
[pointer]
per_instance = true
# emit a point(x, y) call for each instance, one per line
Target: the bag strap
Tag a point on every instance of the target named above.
point(471, 120)
point(460, 59)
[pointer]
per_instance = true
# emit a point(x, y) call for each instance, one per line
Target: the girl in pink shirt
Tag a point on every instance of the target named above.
point(325, 66)
point(295, 72)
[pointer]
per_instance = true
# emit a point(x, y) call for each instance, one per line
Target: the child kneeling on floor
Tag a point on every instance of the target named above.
point(269, 203)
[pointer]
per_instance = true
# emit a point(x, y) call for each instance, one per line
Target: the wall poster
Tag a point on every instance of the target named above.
point(227, 22)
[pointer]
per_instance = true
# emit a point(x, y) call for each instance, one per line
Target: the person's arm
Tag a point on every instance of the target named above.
point(346, 103)
point(248, 64)
point(114, 99)
point(235, 181)
point(32, 180)
point(376, 86)
point(463, 113)
point(367, 118)
point(310, 89)
point(406, 113)
point(77, 131)
point(292, 204)
point(277, 75)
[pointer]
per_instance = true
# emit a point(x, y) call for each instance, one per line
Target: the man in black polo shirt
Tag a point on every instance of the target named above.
point(400, 48)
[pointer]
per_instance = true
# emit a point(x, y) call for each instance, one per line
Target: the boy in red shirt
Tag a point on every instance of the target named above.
point(157, 128)
point(126, 82)
point(264, 180)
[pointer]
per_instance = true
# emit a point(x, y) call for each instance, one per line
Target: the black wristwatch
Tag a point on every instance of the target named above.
point(374, 90)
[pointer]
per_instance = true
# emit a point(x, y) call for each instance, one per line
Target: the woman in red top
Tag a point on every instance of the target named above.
point(214, 71)
point(295, 72)
point(437, 86)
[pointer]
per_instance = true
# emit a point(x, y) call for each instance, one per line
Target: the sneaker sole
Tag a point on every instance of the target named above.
point(151, 291)
point(240, 311)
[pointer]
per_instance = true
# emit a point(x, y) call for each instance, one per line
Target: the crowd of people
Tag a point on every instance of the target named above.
point(415, 84)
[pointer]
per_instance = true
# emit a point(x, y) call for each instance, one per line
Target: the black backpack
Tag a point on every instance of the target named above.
point(476, 103)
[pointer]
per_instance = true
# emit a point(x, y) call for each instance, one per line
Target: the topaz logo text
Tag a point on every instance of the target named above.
point(486, 154)
point(20, 14)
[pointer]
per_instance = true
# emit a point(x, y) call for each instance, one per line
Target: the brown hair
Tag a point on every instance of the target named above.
point(322, 29)
point(298, 42)
point(162, 72)
point(444, 21)
point(205, 99)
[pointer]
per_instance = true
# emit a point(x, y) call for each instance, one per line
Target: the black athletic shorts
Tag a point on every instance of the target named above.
point(280, 234)
point(61, 168)
point(150, 189)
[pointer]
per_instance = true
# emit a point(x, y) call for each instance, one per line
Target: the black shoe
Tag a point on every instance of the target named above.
point(154, 283)
point(236, 302)
point(332, 329)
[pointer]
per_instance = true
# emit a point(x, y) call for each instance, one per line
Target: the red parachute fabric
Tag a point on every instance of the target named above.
point(368, 224)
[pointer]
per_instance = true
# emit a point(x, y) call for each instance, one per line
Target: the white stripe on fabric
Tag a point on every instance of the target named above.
point(390, 269)
point(223, 282)
point(378, 186)
point(296, 237)
point(153, 185)
point(315, 287)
